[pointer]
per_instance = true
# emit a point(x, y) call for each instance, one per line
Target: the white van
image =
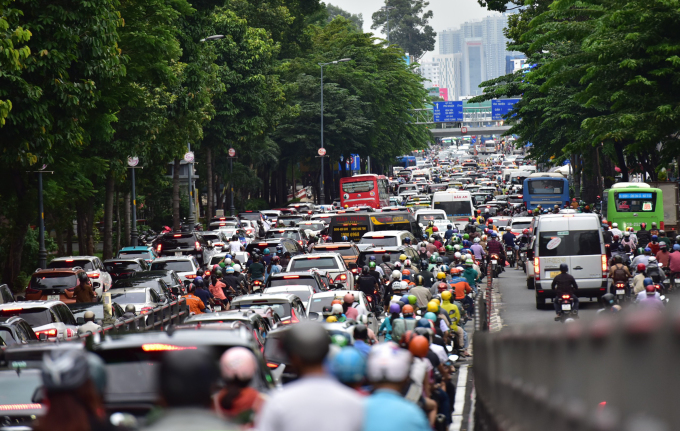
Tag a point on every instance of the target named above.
point(574, 239)
point(457, 204)
point(409, 187)
point(438, 217)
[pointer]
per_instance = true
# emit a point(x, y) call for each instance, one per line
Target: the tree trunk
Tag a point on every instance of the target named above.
point(265, 185)
point(82, 228)
point(618, 146)
point(16, 234)
point(108, 216)
point(283, 187)
point(175, 197)
point(127, 214)
point(89, 227)
point(69, 236)
point(210, 209)
point(60, 241)
point(118, 223)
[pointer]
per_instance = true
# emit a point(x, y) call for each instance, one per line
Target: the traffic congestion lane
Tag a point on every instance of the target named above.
point(519, 303)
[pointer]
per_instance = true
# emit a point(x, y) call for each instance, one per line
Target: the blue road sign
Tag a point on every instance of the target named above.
point(352, 163)
point(501, 107)
point(448, 112)
point(473, 141)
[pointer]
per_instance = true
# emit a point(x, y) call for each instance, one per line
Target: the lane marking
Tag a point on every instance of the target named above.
point(459, 405)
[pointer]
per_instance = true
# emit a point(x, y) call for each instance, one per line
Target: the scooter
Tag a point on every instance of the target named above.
point(523, 258)
point(495, 268)
point(620, 292)
point(566, 308)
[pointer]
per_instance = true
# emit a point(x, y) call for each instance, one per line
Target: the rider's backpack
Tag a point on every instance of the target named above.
point(653, 272)
point(400, 326)
point(619, 274)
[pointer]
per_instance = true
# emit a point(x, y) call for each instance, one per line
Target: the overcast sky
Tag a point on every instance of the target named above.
point(447, 13)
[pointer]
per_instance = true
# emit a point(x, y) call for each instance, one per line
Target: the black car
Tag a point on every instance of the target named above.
point(125, 268)
point(170, 278)
point(255, 323)
point(289, 245)
point(186, 244)
point(310, 278)
point(15, 330)
point(393, 252)
point(295, 233)
point(156, 283)
point(79, 308)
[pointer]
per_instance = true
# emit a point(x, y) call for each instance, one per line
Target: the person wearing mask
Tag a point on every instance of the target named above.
point(256, 269)
point(89, 325)
point(643, 235)
point(368, 284)
point(185, 392)
point(564, 284)
point(663, 256)
point(238, 401)
point(470, 273)
point(196, 305)
point(84, 291)
point(298, 406)
point(360, 335)
point(453, 313)
point(388, 370)
point(628, 241)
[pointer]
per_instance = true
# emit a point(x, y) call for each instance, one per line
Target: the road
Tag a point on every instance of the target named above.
point(518, 305)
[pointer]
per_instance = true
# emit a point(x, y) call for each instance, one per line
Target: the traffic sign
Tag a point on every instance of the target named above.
point(189, 157)
point(473, 140)
point(463, 130)
point(232, 152)
point(448, 112)
point(322, 151)
point(133, 161)
point(501, 107)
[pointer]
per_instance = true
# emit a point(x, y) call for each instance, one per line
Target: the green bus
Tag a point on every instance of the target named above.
point(630, 204)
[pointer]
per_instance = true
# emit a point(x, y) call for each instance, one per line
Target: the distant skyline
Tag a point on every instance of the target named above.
point(446, 13)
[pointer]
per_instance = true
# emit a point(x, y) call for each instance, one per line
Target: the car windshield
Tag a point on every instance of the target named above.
point(365, 256)
point(318, 304)
point(455, 208)
point(305, 263)
point(134, 253)
point(388, 241)
point(51, 281)
point(37, 316)
point(358, 186)
point(83, 263)
point(177, 240)
point(569, 243)
point(180, 265)
point(18, 388)
point(290, 220)
point(129, 297)
point(278, 233)
point(313, 226)
point(342, 251)
point(282, 309)
point(546, 187)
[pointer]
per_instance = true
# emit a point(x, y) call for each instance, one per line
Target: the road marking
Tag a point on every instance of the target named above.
point(459, 405)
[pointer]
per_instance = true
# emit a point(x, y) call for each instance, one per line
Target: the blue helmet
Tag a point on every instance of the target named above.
point(676, 247)
point(423, 323)
point(648, 250)
point(230, 270)
point(494, 234)
point(647, 282)
point(654, 237)
point(265, 251)
point(349, 366)
point(407, 240)
point(228, 256)
point(371, 259)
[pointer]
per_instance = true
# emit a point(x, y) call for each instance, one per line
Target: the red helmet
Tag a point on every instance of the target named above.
point(525, 231)
point(405, 339)
point(616, 237)
point(442, 249)
point(419, 346)
point(406, 272)
point(573, 199)
point(641, 267)
point(442, 287)
point(650, 289)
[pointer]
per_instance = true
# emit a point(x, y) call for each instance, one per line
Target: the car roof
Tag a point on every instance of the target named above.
point(71, 270)
point(333, 245)
point(289, 287)
point(128, 289)
point(314, 256)
point(29, 304)
point(156, 273)
point(129, 259)
point(265, 296)
point(385, 233)
point(244, 315)
point(135, 248)
point(171, 258)
point(62, 258)
point(182, 338)
point(340, 293)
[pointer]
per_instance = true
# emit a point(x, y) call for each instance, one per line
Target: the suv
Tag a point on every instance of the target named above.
point(393, 252)
point(186, 244)
point(54, 284)
point(387, 238)
point(347, 250)
point(101, 280)
point(288, 245)
point(52, 318)
point(288, 306)
point(15, 330)
point(256, 324)
point(140, 251)
point(184, 266)
point(125, 268)
point(310, 278)
point(332, 263)
point(295, 233)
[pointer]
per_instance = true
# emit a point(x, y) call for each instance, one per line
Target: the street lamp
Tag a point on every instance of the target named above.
point(213, 37)
point(322, 197)
point(387, 9)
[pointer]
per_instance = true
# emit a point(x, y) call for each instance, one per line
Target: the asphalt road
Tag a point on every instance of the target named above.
point(519, 303)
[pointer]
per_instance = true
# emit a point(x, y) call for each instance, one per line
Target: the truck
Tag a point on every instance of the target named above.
point(670, 205)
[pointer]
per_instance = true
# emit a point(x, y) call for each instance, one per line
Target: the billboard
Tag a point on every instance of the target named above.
point(501, 107)
point(448, 112)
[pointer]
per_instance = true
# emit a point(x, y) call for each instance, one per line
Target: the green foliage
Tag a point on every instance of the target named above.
point(408, 25)
point(256, 205)
point(357, 20)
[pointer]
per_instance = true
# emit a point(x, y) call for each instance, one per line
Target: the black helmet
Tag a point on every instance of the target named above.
point(218, 273)
point(65, 370)
point(307, 341)
point(364, 270)
point(234, 238)
point(386, 257)
point(199, 272)
point(130, 308)
point(608, 299)
point(564, 268)
point(83, 277)
point(360, 332)
point(188, 376)
point(198, 283)
point(419, 279)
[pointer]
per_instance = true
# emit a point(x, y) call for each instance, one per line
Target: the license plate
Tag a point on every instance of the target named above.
point(218, 308)
point(677, 281)
point(178, 253)
point(620, 292)
point(494, 262)
point(566, 307)
point(53, 297)
point(553, 274)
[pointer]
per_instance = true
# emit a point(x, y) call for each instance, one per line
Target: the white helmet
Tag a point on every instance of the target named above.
point(651, 259)
point(336, 309)
point(227, 261)
point(486, 210)
point(509, 229)
point(468, 257)
point(626, 234)
point(457, 247)
point(396, 275)
point(457, 255)
point(477, 240)
point(615, 225)
point(407, 262)
point(237, 268)
point(397, 264)
point(431, 239)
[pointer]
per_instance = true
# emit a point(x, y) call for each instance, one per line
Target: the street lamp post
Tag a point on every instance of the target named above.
point(232, 156)
point(322, 196)
point(190, 164)
point(387, 10)
point(132, 163)
point(42, 252)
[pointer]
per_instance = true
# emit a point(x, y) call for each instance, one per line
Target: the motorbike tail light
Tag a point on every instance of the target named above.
point(566, 296)
point(370, 299)
point(158, 249)
point(272, 365)
point(537, 268)
point(300, 242)
point(191, 276)
point(197, 246)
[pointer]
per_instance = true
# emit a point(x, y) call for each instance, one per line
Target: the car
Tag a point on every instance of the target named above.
point(387, 238)
point(184, 266)
point(302, 291)
point(349, 251)
point(253, 216)
point(288, 306)
point(18, 386)
point(317, 280)
point(156, 283)
point(186, 244)
point(52, 318)
point(218, 238)
point(15, 330)
point(125, 268)
point(101, 279)
point(317, 227)
point(393, 252)
point(291, 220)
point(79, 308)
point(54, 284)
point(170, 277)
point(146, 253)
point(143, 298)
point(294, 233)
point(332, 263)
point(272, 215)
point(240, 233)
point(288, 245)
point(256, 324)
point(500, 221)
point(518, 224)
point(251, 228)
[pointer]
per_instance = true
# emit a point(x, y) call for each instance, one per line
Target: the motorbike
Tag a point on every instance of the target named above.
point(620, 290)
point(256, 286)
point(566, 308)
point(495, 267)
point(523, 258)
point(510, 253)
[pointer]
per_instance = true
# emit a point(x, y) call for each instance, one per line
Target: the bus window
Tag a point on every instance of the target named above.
point(635, 202)
point(358, 186)
point(546, 187)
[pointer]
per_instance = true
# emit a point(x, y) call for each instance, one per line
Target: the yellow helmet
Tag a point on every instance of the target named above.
point(432, 306)
point(441, 276)
point(446, 295)
point(437, 301)
point(331, 319)
point(402, 257)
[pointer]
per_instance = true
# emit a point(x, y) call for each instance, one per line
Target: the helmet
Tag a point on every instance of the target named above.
point(655, 238)
point(564, 267)
point(360, 332)
point(344, 238)
point(653, 225)
point(228, 261)
point(466, 236)
point(371, 265)
point(430, 316)
point(457, 255)
point(448, 248)
point(433, 259)
point(336, 309)
point(626, 234)
point(238, 363)
point(641, 267)
point(199, 272)
point(648, 250)
point(407, 240)
point(396, 275)
point(435, 229)
point(469, 262)
point(397, 264)
point(457, 247)
point(388, 363)
point(422, 327)
point(230, 270)
point(433, 307)
point(615, 225)
point(371, 258)
point(650, 289)
point(441, 276)
point(265, 251)
point(446, 295)
point(65, 369)
point(420, 280)
point(130, 308)
point(508, 228)
point(407, 262)
point(440, 260)
point(663, 246)
point(406, 273)
point(525, 231)
point(419, 346)
point(237, 268)
point(484, 237)
point(651, 259)
point(395, 308)
point(676, 247)
point(647, 282)
point(402, 257)
point(364, 270)
point(455, 271)
point(348, 298)
point(331, 319)
point(83, 277)
point(494, 234)
point(88, 316)
point(448, 226)
point(643, 225)
point(407, 309)
point(608, 298)
point(412, 299)
point(348, 365)
point(431, 240)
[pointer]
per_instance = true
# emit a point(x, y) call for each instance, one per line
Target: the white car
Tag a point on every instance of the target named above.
point(250, 226)
point(518, 224)
point(302, 291)
point(437, 217)
point(272, 215)
point(52, 318)
point(184, 266)
point(323, 299)
point(101, 279)
point(218, 239)
point(144, 299)
point(332, 263)
point(387, 238)
point(313, 226)
point(241, 256)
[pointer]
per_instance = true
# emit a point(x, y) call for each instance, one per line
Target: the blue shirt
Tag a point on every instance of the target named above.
point(448, 234)
point(509, 239)
point(386, 410)
point(362, 347)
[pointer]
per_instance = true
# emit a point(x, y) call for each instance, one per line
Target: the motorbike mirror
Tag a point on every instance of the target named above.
point(662, 297)
point(312, 315)
point(453, 358)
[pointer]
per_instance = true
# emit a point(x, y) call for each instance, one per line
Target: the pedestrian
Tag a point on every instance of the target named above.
point(84, 291)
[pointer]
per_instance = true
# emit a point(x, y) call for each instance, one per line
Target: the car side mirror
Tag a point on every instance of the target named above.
point(80, 320)
point(313, 315)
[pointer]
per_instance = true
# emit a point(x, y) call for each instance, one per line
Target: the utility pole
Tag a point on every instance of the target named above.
point(387, 10)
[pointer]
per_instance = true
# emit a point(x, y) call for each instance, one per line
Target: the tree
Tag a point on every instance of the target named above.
point(408, 25)
point(357, 20)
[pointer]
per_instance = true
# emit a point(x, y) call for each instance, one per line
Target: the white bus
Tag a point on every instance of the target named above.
point(457, 204)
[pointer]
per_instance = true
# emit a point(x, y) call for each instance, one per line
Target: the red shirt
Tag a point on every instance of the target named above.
point(663, 257)
point(674, 261)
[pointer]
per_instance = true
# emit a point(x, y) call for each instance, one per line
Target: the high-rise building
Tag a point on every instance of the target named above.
point(474, 66)
point(429, 70)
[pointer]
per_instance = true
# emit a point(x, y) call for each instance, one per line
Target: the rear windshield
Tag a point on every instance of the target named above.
point(261, 245)
point(293, 280)
point(312, 226)
point(18, 388)
point(274, 349)
point(49, 281)
point(303, 294)
point(569, 243)
point(249, 216)
point(32, 316)
point(124, 265)
point(134, 253)
point(387, 241)
point(304, 264)
point(80, 312)
point(211, 237)
point(175, 265)
point(282, 309)
point(521, 225)
point(365, 256)
point(177, 240)
point(358, 186)
point(424, 218)
point(288, 220)
point(129, 297)
point(342, 251)
point(319, 303)
point(83, 263)
point(546, 187)
point(292, 234)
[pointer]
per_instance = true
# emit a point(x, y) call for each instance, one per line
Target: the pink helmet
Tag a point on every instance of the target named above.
point(238, 363)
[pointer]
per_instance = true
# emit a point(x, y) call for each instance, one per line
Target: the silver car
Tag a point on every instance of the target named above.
point(144, 299)
point(52, 318)
point(184, 266)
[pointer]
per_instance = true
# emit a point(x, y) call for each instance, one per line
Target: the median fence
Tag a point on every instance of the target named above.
point(484, 303)
point(615, 373)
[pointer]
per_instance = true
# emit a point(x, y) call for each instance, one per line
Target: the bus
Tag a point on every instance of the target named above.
point(368, 189)
point(355, 225)
point(545, 189)
point(457, 204)
point(630, 204)
point(406, 161)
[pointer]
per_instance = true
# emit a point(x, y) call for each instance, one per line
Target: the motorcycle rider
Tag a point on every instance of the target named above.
point(654, 272)
point(615, 230)
point(231, 280)
point(495, 247)
point(619, 273)
point(478, 250)
point(422, 294)
point(654, 230)
point(650, 299)
point(643, 235)
point(509, 241)
point(607, 234)
point(628, 241)
point(377, 267)
point(386, 266)
point(564, 284)
point(674, 262)
point(235, 245)
point(449, 232)
point(242, 282)
point(663, 256)
point(368, 284)
point(428, 277)
point(639, 279)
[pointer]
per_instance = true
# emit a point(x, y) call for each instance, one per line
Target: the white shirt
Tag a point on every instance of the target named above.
point(642, 295)
point(234, 247)
point(311, 404)
point(440, 352)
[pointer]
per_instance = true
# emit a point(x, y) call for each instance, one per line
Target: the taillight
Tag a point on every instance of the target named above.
point(158, 347)
point(370, 298)
point(158, 249)
point(604, 266)
point(197, 246)
point(342, 278)
point(300, 242)
point(147, 310)
point(566, 296)
point(93, 275)
point(355, 270)
point(191, 276)
point(537, 269)
point(272, 365)
point(48, 332)
point(207, 273)
point(293, 317)
point(71, 289)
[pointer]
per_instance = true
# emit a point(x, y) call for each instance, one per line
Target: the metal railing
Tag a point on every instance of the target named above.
point(484, 303)
point(611, 374)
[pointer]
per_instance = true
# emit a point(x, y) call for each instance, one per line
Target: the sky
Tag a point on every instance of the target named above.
point(446, 13)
